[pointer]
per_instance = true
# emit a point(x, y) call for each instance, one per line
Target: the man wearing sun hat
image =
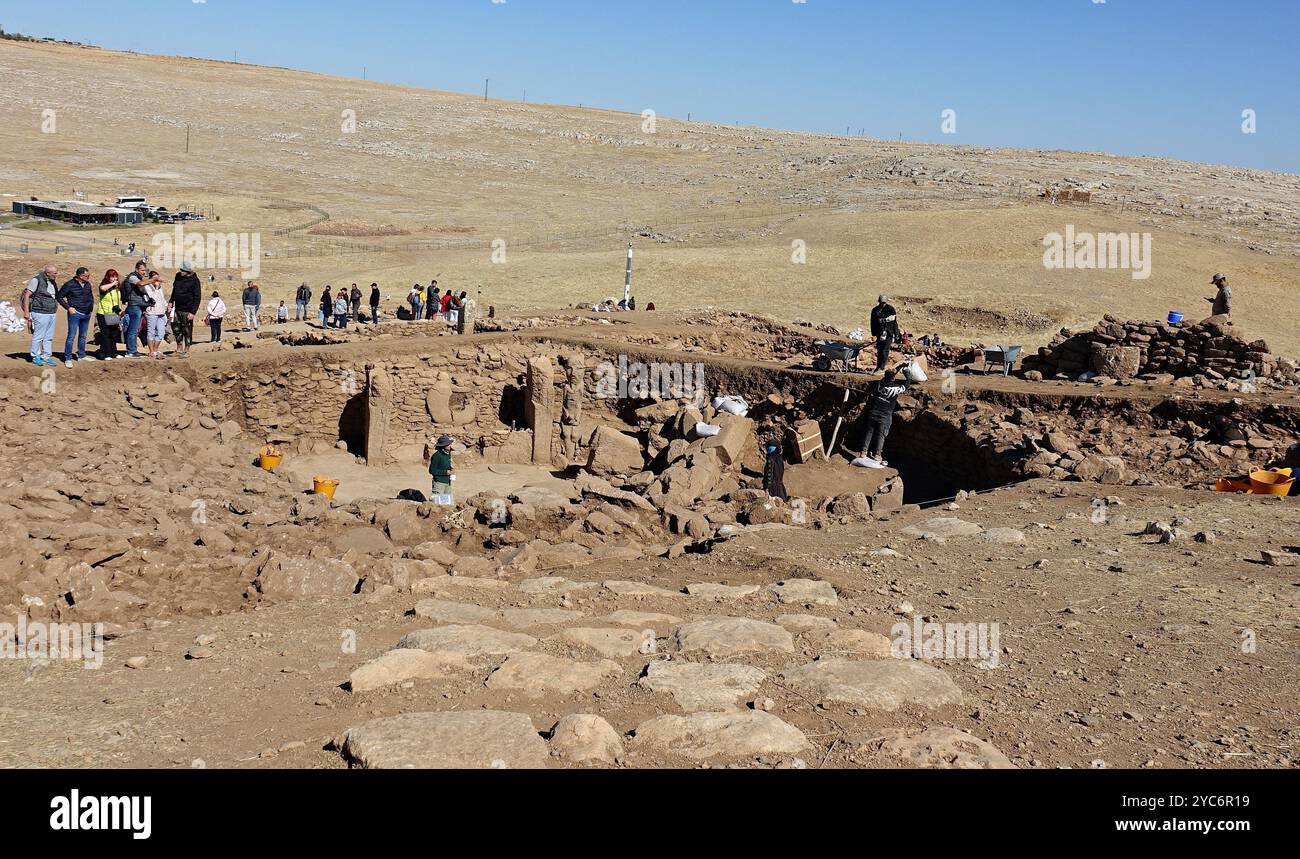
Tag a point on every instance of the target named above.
point(441, 469)
point(1222, 302)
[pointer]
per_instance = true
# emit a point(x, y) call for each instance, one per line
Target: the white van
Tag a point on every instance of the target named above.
point(130, 203)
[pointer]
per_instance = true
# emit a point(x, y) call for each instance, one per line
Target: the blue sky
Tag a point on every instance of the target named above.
point(1137, 77)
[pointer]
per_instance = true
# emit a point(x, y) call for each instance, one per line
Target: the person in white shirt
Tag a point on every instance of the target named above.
point(155, 314)
point(216, 313)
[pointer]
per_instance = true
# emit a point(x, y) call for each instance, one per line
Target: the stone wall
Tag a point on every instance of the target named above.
point(1213, 349)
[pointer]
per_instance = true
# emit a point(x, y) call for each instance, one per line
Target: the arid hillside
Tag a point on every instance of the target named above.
point(345, 180)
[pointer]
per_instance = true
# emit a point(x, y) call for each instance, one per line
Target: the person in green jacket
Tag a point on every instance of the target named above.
point(440, 467)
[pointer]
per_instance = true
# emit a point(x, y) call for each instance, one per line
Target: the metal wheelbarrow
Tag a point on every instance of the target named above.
point(1004, 356)
point(846, 354)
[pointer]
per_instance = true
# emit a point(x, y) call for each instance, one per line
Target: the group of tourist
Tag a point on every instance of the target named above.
point(134, 313)
point(428, 303)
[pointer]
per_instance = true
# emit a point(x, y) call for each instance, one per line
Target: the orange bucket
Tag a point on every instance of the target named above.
point(1273, 482)
point(324, 486)
point(270, 458)
point(1232, 484)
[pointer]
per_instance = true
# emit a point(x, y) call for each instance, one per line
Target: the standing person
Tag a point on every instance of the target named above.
point(880, 414)
point(77, 297)
point(108, 315)
point(465, 314)
point(413, 299)
point(281, 314)
point(215, 316)
point(884, 330)
point(155, 316)
point(252, 299)
point(137, 302)
point(774, 472)
point(374, 303)
point(432, 300)
point(441, 469)
point(341, 309)
point(301, 299)
point(187, 292)
point(444, 305)
point(326, 307)
point(40, 305)
point(1221, 304)
point(354, 298)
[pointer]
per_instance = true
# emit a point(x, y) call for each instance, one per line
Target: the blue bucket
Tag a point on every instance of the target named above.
point(1175, 317)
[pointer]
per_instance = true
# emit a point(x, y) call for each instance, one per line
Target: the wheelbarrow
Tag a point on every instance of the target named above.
point(845, 354)
point(1004, 356)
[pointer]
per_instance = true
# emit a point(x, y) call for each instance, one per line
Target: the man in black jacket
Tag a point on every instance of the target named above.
point(374, 303)
point(77, 297)
point(884, 330)
point(301, 300)
point(880, 414)
point(187, 292)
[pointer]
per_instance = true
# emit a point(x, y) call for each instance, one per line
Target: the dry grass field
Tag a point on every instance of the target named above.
point(428, 180)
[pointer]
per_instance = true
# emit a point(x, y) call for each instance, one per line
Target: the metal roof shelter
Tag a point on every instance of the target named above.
point(77, 212)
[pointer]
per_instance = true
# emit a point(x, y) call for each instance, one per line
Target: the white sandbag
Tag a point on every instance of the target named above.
point(857, 335)
point(732, 405)
point(703, 430)
point(913, 373)
point(866, 462)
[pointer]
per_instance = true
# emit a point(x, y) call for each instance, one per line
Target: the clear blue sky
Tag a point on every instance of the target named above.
point(1139, 77)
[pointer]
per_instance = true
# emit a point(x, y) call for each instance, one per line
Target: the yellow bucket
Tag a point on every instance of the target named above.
point(324, 486)
point(270, 458)
point(1273, 482)
point(1232, 484)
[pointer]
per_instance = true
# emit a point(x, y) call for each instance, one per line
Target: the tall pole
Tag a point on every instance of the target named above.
point(486, 81)
point(187, 138)
point(627, 282)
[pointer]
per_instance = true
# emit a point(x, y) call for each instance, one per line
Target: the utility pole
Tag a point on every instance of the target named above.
point(363, 73)
point(627, 281)
point(486, 81)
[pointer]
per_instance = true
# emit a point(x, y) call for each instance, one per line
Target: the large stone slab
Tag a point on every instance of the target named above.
point(946, 748)
point(582, 738)
point(886, 684)
point(468, 639)
point(443, 611)
point(554, 585)
point(530, 617)
point(477, 739)
point(700, 687)
point(662, 624)
point(640, 589)
point(701, 736)
point(856, 641)
point(710, 591)
point(943, 528)
point(537, 675)
point(728, 636)
point(294, 578)
point(612, 643)
point(805, 592)
point(398, 666)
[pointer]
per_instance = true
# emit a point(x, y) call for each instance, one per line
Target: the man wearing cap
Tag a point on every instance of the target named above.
point(884, 330)
point(186, 295)
point(440, 467)
point(1222, 302)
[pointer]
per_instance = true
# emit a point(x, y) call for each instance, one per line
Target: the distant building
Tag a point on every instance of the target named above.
point(77, 212)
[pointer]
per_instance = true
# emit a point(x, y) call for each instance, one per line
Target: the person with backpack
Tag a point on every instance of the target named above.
point(354, 298)
point(374, 303)
point(252, 299)
point(881, 402)
point(108, 318)
point(415, 300)
point(215, 316)
point(301, 299)
point(444, 305)
point(137, 301)
point(155, 315)
point(78, 298)
point(431, 307)
point(187, 292)
point(341, 309)
point(39, 303)
point(326, 307)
